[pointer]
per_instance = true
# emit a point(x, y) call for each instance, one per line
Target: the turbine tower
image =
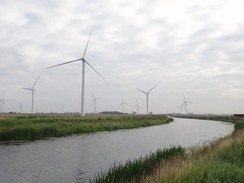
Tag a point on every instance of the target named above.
point(147, 93)
point(2, 100)
point(137, 107)
point(122, 104)
point(84, 61)
point(95, 103)
point(20, 107)
point(32, 93)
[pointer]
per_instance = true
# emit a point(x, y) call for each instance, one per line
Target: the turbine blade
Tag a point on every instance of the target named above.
point(184, 97)
point(35, 82)
point(92, 95)
point(64, 63)
point(87, 43)
point(27, 88)
point(96, 71)
point(151, 88)
point(141, 91)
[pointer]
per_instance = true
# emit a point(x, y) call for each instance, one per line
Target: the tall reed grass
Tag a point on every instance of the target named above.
point(222, 161)
point(134, 170)
point(33, 128)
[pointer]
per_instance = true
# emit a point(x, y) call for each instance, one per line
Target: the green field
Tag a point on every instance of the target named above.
point(22, 128)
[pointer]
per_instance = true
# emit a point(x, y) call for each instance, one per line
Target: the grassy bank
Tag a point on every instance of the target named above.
point(136, 169)
point(38, 127)
point(222, 161)
point(237, 120)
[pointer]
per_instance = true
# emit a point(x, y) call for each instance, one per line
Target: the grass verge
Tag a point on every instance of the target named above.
point(39, 127)
point(136, 169)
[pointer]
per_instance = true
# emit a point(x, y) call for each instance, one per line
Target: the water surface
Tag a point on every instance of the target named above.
point(78, 158)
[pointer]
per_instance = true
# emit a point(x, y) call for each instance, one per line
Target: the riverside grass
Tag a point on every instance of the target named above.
point(136, 169)
point(237, 120)
point(38, 127)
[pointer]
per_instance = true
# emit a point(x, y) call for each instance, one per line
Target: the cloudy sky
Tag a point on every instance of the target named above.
point(190, 47)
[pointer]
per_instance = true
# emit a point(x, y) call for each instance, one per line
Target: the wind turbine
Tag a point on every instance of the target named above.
point(32, 93)
point(137, 107)
point(84, 61)
point(185, 103)
point(95, 103)
point(122, 104)
point(147, 93)
point(20, 107)
point(2, 104)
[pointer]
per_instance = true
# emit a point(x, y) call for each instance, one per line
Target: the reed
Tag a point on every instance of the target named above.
point(134, 170)
point(222, 161)
point(38, 127)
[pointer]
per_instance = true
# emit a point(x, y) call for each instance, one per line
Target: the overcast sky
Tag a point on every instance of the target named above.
point(190, 47)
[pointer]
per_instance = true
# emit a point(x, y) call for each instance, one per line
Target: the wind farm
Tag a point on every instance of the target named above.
point(84, 84)
point(120, 81)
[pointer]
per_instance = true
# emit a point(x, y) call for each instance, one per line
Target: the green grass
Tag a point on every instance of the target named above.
point(134, 170)
point(226, 166)
point(33, 128)
point(238, 121)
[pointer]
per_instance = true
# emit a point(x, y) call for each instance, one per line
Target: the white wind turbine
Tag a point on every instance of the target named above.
point(185, 103)
point(84, 61)
point(2, 100)
point(137, 107)
point(122, 104)
point(20, 107)
point(95, 103)
point(32, 93)
point(147, 93)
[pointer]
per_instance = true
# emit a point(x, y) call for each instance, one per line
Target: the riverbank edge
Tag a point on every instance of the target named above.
point(199, 164)
point(89, 125)
point(237, 120)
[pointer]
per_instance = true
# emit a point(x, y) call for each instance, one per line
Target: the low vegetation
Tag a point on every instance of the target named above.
point(136, 169)
point(237, 120)
point(221, 161)
point(39, 127)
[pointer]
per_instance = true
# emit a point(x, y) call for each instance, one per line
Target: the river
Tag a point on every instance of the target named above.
point(78, 158)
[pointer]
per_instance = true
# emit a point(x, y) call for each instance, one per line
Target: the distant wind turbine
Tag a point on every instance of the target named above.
point(185, 103)
point(2, 100)
point(20, 107)
point(137, 107)
point(94, 102)
point(84, 61)
point(147, 93)
point(32, 93)
point(122, 104)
